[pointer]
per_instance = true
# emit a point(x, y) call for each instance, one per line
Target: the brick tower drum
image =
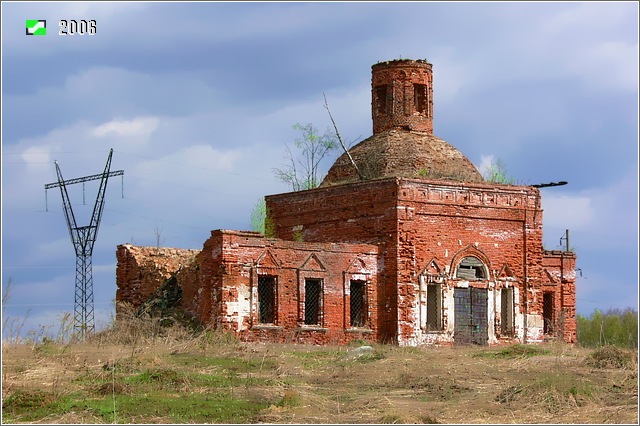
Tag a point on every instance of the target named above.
point(402, 96)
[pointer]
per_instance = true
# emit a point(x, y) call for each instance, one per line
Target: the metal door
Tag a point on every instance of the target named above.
point(470, 310)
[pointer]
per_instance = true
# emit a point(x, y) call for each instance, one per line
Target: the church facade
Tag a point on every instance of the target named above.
point(403, 242)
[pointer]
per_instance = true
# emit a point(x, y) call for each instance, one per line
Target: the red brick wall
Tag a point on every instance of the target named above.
point(219, 284)
point(384, 231)
point(142, 270)
point(445, 222)
point(247, 255)
point(417, 220)
point(363, 212)
point(399, 77)
point(559, 278)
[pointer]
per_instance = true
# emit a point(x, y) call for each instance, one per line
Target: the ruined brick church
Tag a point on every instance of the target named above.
point(410, 247)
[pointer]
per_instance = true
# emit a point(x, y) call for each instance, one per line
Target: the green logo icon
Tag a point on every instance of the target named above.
point(36, 27)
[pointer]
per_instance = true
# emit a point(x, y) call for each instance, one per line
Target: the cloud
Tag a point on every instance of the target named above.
point(580, 50)
point(451, 75)
point(596, 17)
point(618, 61)
point(135, 127)
point(600, 214)
point(576, 211)
point(35, 156)
point(590, 44)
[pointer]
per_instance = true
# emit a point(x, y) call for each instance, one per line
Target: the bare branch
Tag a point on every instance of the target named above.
point(326, 105)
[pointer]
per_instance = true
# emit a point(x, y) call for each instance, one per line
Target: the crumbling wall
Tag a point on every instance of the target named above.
point(141, 271)
point(559, 278)
point(219, 285)
point(389, 233)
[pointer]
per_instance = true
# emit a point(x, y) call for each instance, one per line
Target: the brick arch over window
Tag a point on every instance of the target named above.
point(472, 253)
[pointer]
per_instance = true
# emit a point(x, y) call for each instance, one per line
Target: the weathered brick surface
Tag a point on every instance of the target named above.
point(392, 233)
point(142, 270)
point(401, 153)
point(403, 143)
point(443, 223)
point(418, 221)
point(219, 284)
point(362, 212)
point(404, 230)
point(558, 279)
point(397, 106)
point(248, 255)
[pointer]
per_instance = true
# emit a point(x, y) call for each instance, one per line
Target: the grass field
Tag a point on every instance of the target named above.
point(213, 378)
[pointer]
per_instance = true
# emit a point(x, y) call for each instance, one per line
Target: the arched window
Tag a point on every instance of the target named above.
point(420, 98)
point(471, 268)
point(380, 100)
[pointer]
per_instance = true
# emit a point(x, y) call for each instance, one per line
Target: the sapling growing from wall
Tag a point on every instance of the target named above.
point(260, 222)
point(303, 167)
point(497, 173)
point(258, 216)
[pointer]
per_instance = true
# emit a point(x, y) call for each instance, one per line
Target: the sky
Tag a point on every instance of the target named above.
point(198, 100)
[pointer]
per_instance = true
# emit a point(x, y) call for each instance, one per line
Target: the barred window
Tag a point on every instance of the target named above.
point(506, 304)
point(548, 311)
point(312, 301)
point(266, 299)
point(434, 307)
point(358, 303)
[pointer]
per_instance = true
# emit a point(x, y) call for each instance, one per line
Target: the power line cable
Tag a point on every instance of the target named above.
point(189, 165)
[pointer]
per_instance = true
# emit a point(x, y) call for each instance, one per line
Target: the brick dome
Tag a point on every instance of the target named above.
point(403, 153)
point(403, 144)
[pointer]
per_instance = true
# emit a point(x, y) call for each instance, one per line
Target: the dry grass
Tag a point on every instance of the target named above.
point(612, 357)
point(140, 373)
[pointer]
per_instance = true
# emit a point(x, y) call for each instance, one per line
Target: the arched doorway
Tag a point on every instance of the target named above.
point(471, 304)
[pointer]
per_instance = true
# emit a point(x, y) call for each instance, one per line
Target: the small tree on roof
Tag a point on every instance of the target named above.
point(497, 173)
point(303, 169)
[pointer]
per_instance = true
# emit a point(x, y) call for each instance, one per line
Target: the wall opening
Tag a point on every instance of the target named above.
point(547, 312)
point(358, 303)
point(267, 299)
point(420, 98)
point(312, 301)
point(471, 268)
point(434, 307)
point(506, 314)
point(381, 99)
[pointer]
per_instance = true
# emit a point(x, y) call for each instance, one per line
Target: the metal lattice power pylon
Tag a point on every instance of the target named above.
point(83, 239)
